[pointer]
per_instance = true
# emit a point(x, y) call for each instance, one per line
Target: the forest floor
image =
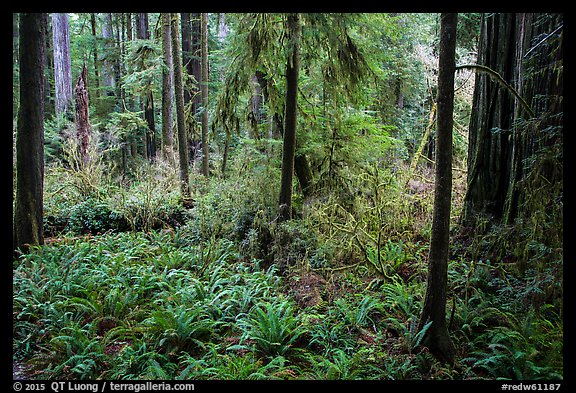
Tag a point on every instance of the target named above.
point(220, 291)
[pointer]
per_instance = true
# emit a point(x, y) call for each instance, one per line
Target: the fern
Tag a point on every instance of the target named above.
point(273, 327)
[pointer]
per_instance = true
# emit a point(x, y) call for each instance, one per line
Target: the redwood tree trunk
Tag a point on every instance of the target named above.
point(62, 63)
point(28, 209)
point(437, 337)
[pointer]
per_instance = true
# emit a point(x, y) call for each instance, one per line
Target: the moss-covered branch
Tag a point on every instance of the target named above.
point(498, 78)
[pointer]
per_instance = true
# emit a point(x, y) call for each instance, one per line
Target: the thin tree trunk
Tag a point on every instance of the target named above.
point(167, 136)
point(28, 209)
point(96, 71)
point(204, 89)
point(302, 167)
point(143, 32)
point(289, 143)
point(437, 337)
point(130, 100)
point(82, 122)
point(180, 119)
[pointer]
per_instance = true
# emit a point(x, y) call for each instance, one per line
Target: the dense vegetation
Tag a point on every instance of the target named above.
point(137, 281)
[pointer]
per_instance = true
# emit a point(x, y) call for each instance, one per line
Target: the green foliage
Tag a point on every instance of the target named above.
point(272, 327)
point(133, 285)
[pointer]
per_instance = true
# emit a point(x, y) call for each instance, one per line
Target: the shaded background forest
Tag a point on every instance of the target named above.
point(157, 262)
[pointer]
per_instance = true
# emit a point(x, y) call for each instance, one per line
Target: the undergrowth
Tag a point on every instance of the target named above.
point(131, 285)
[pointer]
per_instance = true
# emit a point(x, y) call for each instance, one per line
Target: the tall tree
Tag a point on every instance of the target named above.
point(433, 315)
point(291, 106)
point(180, 116)
point(108, 79)
point(525, 51)
point(28, 209)
point(192, 61)
point(204, 89)
point(167, 71)
point(143, 32)
point(95, 54)
point(82, 119)
point(62, 63)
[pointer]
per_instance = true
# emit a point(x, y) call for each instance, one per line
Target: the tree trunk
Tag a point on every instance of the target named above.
point(302, 166)
point(108, 80)
point(28, 209)
point(180, 117)
point(82, 123)
point(143, 32)
point(502, 143)
point(437, 337)
point(167, 136)
point(192, 61)
point(96, 67)
point(204, 89)
point(291, 106)
point(49, 89)
point(62, 63)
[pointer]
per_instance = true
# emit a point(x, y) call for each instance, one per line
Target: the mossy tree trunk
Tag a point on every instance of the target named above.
point(28, 209)
point(291, 106)
point(180, 116)
point(204, 90)
point(167, 70)
point(436, 336)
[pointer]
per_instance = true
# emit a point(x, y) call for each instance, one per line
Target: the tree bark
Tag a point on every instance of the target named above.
point(62, 63)
point(108, 80)
point(28, 209)
point(501, 141)
point(302, 167)
point(204, 89)
point(95, 53)
point(437, 337)
point(167, 69)
point(82, 121)
point(291, 106)
point(143, 32)
point(192, 61)
point(179, 96)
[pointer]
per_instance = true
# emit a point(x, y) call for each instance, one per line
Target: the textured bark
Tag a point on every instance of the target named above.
point(62, 63)
point(437, 337)
point(191, 59)
point(82, 121)
point(108, 80)
point(179, 97)
point(289, 142)
point(95, 53)
point(28, 210)
point(204, 89)
point(167, 136)
point(500, 147)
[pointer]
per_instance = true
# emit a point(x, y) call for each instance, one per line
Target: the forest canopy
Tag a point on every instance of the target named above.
point(293, 196)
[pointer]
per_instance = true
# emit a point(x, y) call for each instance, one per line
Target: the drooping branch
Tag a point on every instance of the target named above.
point(498, 78)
